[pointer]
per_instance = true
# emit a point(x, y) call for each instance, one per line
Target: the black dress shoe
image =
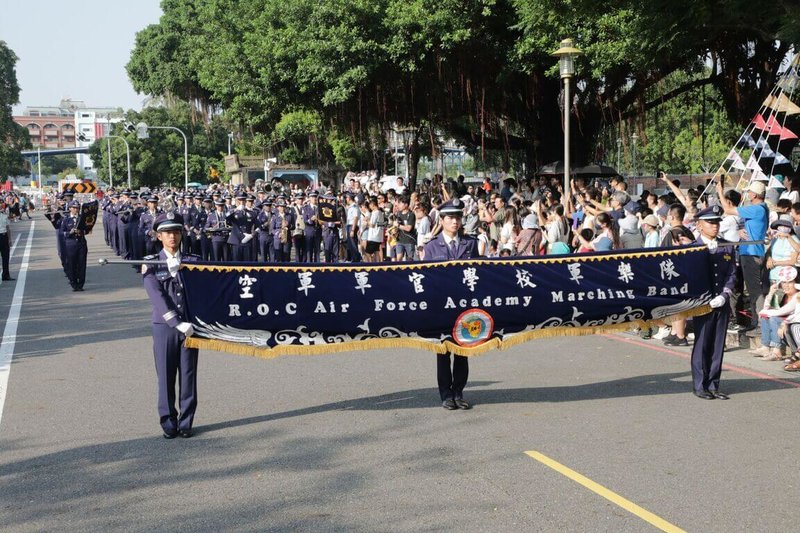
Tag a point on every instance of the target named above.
point(449, 404)
point(8, 279)
point(170, 433)
point(704, 394)
point(186, 433)
point(461, 403)
point(720, 395)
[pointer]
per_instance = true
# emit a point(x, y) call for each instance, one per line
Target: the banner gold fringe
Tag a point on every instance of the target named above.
point(439, 348)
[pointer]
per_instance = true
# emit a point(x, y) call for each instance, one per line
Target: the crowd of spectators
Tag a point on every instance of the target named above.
point(533, 218)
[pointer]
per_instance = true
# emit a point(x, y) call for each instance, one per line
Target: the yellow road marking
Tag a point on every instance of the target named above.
point(611, 496)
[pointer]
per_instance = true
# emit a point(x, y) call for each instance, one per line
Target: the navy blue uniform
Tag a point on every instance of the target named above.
point(219, 245)
point(172, 358)
point(123, 213)
point(151, 243)
point(264, 234)
point(312, 233)
point(451, 382)
point(281, 229)
point(242, 222)
point(75, 251)
point(710, 330)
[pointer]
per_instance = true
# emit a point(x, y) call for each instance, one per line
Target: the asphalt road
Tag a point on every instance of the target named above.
point(358, 441)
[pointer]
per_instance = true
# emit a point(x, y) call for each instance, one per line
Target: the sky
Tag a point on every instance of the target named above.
point(75, 49)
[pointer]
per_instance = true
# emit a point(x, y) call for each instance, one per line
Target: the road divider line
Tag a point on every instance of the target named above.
point(609, 495)
point(10, 331)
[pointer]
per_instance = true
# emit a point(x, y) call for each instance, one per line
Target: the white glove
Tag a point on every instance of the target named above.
point(712, 246)
point(240, 207)
point(173, 264)
point(717, 302)
point(247, 238)
point(186, 328)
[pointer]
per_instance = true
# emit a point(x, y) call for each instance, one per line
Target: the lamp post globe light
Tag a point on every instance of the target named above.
point(142, 132)
point(566, 65)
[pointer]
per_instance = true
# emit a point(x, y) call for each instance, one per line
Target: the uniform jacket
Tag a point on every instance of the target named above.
point(723, 267)
point(165, 292)
point(437, 249)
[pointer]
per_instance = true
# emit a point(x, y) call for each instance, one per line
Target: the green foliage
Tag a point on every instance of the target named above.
point(479, 71)
point(160, 158)
point(13, 137)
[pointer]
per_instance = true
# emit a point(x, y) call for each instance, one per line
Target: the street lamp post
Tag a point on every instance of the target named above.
point(634, 138)
point(566, 61)
point(127, 153)
point(619, 155)
point(142, 133)
point(230, 138)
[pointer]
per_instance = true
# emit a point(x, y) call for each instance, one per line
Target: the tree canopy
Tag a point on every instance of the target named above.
point(478, 71)
point(13, 137)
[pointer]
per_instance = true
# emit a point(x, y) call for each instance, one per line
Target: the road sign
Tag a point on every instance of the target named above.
point(80, 188)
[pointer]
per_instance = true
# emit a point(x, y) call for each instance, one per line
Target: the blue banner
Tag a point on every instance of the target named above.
point(465, 307)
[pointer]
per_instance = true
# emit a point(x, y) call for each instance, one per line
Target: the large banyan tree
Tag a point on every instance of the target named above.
point(478, 71)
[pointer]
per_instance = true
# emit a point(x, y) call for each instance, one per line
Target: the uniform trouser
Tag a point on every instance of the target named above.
point(352, 246)
point(331, 246)
point(240, 252)
point(282, 253)
point(751, 272)
point(122, 240)
point(75, 258)
point(710, 331)
point(451, 383)
point(312, 247)
point(299, 244)
point(265, 249)
point(60, 247)
point(5, 252)
point(205, 248)
point(174, 360)
point(219, 249)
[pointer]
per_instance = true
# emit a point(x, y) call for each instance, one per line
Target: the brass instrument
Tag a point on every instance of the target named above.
point(284, 235)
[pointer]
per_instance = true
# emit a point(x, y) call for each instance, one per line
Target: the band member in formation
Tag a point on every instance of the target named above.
point(281, 229)
point(55, 216)
point(123, 210)
point(330, 232)
point(170, 329)
point(452, 243)
point(75, 249)
point(312, 230)
point(242, 222)
point(263, 224)
point(148, 235)
point(711, 329)
point(299, 226)
point(218, 228)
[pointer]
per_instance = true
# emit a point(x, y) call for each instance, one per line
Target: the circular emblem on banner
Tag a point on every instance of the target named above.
point(473, 327)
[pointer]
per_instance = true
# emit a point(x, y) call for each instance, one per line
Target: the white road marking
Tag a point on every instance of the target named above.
point(10, 333)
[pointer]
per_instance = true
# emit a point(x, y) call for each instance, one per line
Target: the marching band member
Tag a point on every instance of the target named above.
point(313, 230)
point(75, 249)
point(146, 220)
point(241, 221)
point(281, 229)
point(299, 225)
point(217, 226)
point(172, 358)
point(452, 243)
point(263, 223)
point(711, 329)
